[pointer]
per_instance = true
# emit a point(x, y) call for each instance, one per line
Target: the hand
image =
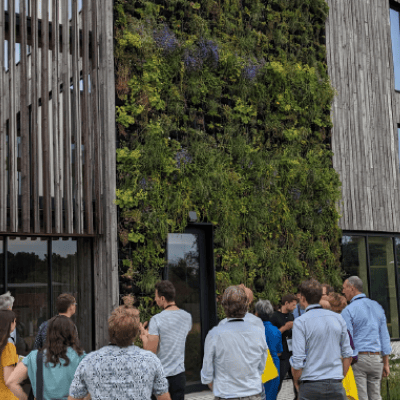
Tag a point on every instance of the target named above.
point(386, 370)
point(289, 325)
point(144, 333)
point(296, 385)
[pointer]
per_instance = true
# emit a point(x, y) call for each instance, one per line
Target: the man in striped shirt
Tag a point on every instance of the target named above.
point(166, 337)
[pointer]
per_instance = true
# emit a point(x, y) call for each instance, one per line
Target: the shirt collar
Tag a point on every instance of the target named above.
point(359, 296)
point(311, 306)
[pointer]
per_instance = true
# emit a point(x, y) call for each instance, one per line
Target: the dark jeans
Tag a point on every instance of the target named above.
point(327, 389)
point(285, 368)
point(177, 385)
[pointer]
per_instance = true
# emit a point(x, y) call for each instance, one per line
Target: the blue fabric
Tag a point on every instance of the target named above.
point(297, 310)
point(57, 380)
point(235, 354)
point(366, 322)
point(274, 341)
point(320, 339)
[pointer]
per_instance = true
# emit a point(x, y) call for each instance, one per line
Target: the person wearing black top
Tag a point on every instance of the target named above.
point(283, 320)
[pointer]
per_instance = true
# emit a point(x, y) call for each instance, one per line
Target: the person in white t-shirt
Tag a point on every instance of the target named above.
point(166, 337)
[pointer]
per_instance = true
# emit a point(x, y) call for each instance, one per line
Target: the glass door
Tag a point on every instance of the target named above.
point(190, 269)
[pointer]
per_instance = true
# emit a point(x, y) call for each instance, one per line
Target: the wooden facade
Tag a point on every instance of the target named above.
point(366, 114)
point(57, 131)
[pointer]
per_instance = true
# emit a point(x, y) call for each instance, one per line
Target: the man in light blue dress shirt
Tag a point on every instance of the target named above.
point(366, 322)
point(321, 348)
point(235, 352)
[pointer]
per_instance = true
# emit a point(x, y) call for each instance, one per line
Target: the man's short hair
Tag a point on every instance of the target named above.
point(123, 326)
point(356, 282)
point(264, 309)
point(311, 290)
point(63, 302)
point(235, 302)
point(6, 301)
point(166, 289)
point(288, 298)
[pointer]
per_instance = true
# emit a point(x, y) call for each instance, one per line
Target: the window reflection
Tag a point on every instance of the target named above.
point(183, 271)
point(395, 33)
point(383, 279)
point(28, 282)
point(354, 258)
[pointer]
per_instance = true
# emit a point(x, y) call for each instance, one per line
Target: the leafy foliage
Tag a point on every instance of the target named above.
point(224, 109)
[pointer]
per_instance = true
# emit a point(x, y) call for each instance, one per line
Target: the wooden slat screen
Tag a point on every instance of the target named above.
point(51, 164)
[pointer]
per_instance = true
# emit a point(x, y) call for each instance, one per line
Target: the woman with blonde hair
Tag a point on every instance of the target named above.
point(9, 357)
point(338, 303)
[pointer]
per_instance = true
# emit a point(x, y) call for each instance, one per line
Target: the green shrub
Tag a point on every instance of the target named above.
point(223, 108)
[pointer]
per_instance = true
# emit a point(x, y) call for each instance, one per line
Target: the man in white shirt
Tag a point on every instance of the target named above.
point(235, 352)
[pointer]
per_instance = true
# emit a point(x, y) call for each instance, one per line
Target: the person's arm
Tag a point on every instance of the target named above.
point(73, 398)
point(286, 327)
point(207, 371)
point(13, 376)
point(299, 357)
point(150, 342)
point(386, 346)
point(346, 365)
point(164, 396)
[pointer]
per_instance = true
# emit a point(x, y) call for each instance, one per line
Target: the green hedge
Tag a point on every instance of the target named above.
point(223, 108)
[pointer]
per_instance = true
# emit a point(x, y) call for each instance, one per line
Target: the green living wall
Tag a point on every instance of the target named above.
point(223, 108)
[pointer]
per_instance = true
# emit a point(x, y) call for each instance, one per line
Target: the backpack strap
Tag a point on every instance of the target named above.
point(39, 376)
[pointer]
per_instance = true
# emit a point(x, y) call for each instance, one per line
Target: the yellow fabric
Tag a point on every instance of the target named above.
point(349, 384)
point(8, 357)
point(270, 371)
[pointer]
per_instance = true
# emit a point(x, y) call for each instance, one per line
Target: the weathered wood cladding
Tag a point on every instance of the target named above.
point(57, 134)
point(51, 172)
point(365, 112)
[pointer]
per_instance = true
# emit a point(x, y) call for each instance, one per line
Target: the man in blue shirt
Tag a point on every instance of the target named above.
point(366, 322)
point(321, 348)
point(235, 352)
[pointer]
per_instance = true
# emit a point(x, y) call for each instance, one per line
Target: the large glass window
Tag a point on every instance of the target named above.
point(355, 258)
point(30, 264)
point(376, 260)
point(395, 33)
point(383, 279)
point(27, 262)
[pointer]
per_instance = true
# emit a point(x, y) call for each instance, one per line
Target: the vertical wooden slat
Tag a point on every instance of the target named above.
point(76, 119)
point(87, 139)
point(35, 115)
point(12, 124)
point(3, 171)
point(95, 121)
point(56, 124)
point(47, 206)
point(67, 192)
point(24, 112)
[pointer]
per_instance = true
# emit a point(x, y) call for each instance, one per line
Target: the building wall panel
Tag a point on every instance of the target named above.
point(365, 114)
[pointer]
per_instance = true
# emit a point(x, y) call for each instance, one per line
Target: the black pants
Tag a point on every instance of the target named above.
point(285, 368)
point(177, 385)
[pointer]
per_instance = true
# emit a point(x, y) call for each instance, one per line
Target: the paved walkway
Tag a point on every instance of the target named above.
point(285, 394)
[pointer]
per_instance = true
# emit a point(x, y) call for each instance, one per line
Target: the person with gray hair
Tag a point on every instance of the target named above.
point(366, 322)
point(264, 310)
point(235, 353)
point(6, 303)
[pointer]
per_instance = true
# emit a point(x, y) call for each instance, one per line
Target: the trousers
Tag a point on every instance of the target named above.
point(285, 368)
point(368, 374)
point(327, 389)
point(177, 385)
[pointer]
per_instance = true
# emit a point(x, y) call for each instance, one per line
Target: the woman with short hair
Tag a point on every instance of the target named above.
point(121, 370)
point(9, 357)
point(264, 310)
point(61, 357)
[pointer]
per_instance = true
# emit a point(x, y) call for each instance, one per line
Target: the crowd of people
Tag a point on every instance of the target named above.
point(331, 346)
